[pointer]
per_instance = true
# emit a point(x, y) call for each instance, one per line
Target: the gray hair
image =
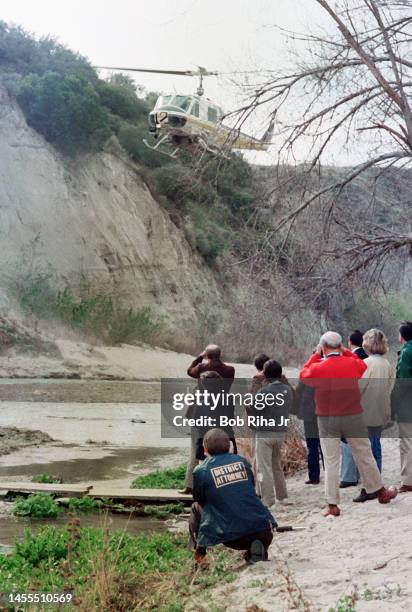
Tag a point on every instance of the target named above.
point(213, 350)
point(331, 339)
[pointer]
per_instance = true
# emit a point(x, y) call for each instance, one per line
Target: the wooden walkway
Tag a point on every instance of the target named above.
point(98, 491)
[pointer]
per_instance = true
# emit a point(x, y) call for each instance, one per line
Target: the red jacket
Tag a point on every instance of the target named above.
point(335, 380)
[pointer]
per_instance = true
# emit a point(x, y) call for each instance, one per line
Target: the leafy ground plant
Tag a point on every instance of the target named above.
point(39, 505)
point(172, 478)
point(42, 505)
point(46, 479)
point(112, 571)
point(84, 504)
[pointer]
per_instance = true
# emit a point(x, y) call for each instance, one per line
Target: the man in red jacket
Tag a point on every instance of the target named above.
point(338, 408)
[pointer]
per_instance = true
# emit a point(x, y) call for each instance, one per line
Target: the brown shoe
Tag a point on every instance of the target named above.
point(405, 489)
point(331, 510)
point(386, 495)
point(186, 491)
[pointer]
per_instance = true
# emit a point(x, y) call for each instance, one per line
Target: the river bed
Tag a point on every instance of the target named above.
point(94, 440)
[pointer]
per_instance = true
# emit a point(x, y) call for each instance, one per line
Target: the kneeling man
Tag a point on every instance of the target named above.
point(226, 509)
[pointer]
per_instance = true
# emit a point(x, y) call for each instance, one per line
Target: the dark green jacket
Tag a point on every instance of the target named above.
point(223, 485)
point(401, 400)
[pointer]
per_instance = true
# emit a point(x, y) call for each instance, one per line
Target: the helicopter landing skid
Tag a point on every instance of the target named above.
point(157, 148)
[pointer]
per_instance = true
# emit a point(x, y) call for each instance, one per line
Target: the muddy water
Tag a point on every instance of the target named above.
point(103, 431)
point(97, 439)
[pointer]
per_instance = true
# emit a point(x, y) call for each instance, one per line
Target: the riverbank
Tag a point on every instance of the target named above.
point(80, 360)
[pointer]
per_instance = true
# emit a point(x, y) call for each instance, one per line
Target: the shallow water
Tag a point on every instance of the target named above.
point(79, 464)
point(97, 439)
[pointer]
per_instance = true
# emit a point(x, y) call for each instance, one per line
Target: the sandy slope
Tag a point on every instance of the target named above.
point(127, 362)
point(368, 548)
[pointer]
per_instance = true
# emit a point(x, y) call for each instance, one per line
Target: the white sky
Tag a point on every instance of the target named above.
point(225, 35)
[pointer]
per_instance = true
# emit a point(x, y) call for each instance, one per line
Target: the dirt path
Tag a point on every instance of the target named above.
point(366, 551)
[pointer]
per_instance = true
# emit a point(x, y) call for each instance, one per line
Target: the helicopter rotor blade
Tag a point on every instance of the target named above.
point(200, 72)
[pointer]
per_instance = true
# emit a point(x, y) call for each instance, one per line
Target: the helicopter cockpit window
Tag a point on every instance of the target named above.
point(182, 102)
point(212, 114)
point(195, 109)
point(163, 101)
point(179, 103)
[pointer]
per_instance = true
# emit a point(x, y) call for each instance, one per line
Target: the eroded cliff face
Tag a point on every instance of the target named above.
point(94, 216)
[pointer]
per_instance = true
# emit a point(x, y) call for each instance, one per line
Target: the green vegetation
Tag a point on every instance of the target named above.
point(43, 505)
point(345, 604)
point(172, 478)
point(66, 110)
point(64, 99)
point(39, 505)
point(45, 479)
point(87, 311)
point(84, 504)
point(111, 571)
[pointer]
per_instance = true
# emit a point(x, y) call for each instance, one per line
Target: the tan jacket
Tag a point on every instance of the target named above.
point(376, 387)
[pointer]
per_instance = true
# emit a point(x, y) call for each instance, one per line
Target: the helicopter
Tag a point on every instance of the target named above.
point(193, 122)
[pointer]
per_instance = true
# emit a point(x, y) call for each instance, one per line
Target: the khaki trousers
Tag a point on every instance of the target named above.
point(405, 434)
point(352, 427)
point(271, 483)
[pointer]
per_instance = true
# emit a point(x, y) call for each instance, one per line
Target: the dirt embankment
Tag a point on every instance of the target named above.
point(12, 439)
point(125, 362)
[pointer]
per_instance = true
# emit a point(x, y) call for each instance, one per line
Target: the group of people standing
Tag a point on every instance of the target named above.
point(346, 397)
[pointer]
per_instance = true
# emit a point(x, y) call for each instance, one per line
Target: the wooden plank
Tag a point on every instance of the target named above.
point(147, 495)
point(39, 487)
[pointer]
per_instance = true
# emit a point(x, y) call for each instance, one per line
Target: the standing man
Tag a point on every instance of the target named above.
point(226, 509)
point(356, 344)
point(306, 409)
point(269, 437)
point(401, 402)
point(339, 411)
point(208, 361)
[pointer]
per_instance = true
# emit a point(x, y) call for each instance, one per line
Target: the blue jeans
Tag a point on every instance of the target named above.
point(314, 449)
point(348, 469)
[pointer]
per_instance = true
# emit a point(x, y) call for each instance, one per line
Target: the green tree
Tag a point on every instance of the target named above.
point(66, 110)
point(122, 102)
point(22, 53)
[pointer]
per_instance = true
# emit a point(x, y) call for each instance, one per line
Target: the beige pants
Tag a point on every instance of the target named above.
point(331, 429)
point(271, 483)
point(405, 434)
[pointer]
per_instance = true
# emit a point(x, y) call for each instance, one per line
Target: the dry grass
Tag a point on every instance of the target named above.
point(294, 453)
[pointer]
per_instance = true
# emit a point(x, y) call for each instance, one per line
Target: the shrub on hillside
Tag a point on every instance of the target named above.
point(181, 185)
point(88, 311)
point(206, 233)
point(22, 53)
point(233, 180)
point(66, 110)
point(121, 101)
point(131, 139)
